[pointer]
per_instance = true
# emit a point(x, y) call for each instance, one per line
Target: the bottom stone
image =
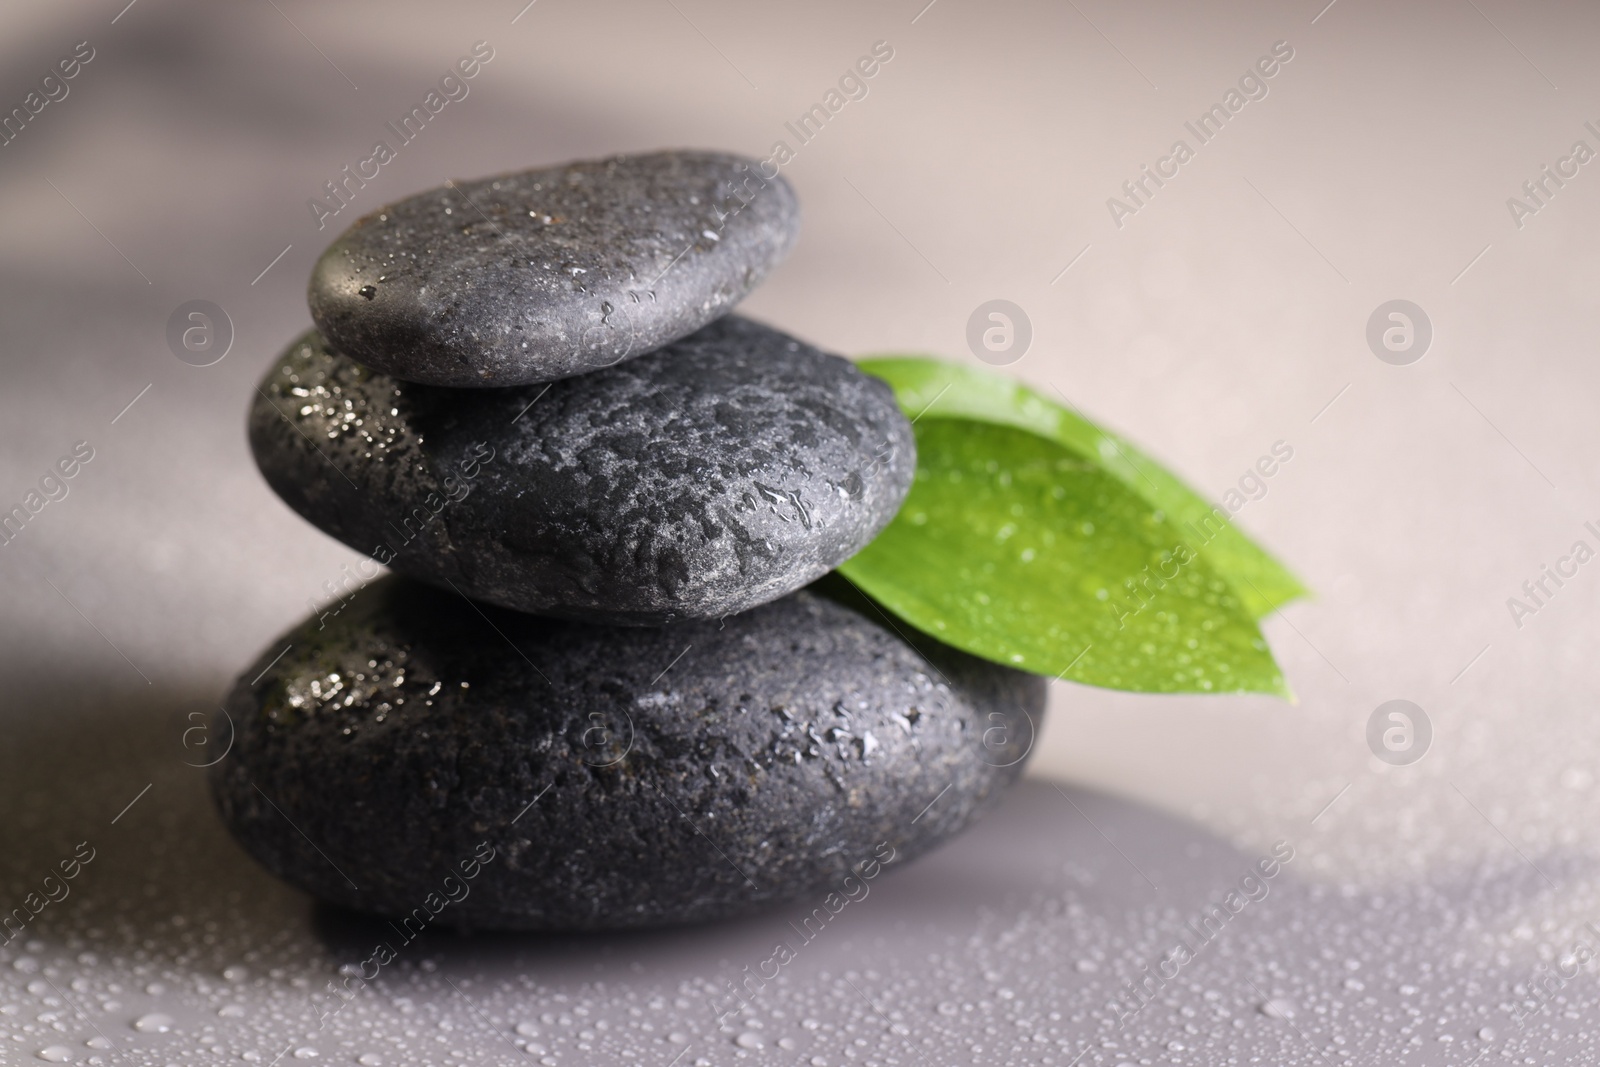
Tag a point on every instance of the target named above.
point(440, 762)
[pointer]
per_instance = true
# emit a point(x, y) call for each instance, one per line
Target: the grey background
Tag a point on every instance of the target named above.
point(1228, 313)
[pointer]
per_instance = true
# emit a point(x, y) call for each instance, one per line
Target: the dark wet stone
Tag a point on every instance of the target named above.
point(543, 274)
point(619, 776)
point(719, 473)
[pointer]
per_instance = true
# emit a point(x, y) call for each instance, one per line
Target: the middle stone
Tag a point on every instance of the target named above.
point(698, 481)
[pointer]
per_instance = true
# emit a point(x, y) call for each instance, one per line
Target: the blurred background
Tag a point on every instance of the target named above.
point(1435, 908)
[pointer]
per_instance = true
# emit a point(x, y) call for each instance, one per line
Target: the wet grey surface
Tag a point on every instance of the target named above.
point(543, 274)
point(1425, 906)
point(1020, 942)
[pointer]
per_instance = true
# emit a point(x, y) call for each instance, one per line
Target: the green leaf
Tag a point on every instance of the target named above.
point(934, 389)
point(1013, 548)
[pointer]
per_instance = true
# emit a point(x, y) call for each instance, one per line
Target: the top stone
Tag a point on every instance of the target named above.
point(545, 274)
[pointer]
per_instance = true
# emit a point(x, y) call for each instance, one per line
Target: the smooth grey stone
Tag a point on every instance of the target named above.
point(543, 274)
point(621, 777)
point(716, 474)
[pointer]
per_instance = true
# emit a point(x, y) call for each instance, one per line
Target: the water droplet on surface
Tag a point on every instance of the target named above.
point(305, 1052)
point(55, 1054)
point(154, 1023)
point(1277, 1008)
point(748, 1039)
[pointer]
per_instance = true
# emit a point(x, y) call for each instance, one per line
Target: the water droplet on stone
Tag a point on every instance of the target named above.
point(154, 1023)
point(55, 1054)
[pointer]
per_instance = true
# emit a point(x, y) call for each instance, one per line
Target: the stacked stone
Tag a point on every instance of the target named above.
point(604, 686)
